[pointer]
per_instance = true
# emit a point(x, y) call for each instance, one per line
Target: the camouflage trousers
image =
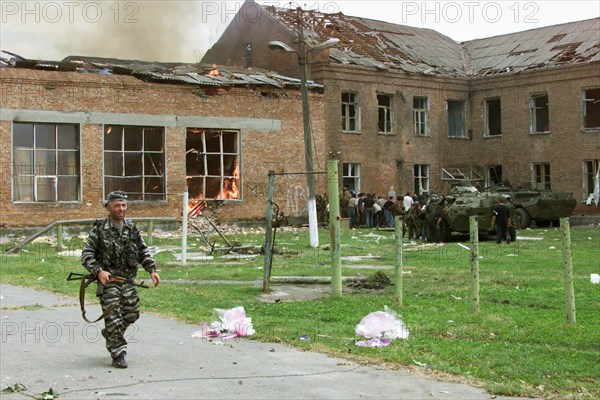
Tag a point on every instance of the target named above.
point(126, 313)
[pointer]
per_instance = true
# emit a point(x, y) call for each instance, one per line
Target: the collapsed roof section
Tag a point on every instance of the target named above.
point(376, 44)
point(208, 75)
point(565, 44)
point(386, 46)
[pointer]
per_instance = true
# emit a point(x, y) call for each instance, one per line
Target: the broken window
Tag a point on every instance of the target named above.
point(540, 115)
point(421, 116)
point(212, 164)
point(421, 178)
point(493, 175)
point(456, 118)
point(351, 176)
point(385, 108)
point(493, 120)
point(350, 112)
point(46, 162)
point(541, 176)
point(591, 108)
point(590, 172)
point(134, 160)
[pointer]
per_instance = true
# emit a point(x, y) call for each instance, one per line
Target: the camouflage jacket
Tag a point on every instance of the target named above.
point(115, 252)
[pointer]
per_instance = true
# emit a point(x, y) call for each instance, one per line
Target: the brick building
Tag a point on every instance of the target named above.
point(419, 111)
point(72, 131)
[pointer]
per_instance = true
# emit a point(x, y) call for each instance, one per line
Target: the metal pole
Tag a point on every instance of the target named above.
point(149, 234)
point(184, 228)
point(334, 226)
point(59, 236)
point(474, 234)
point(399, 223)
point(269, 231)
point(567, 261)
point(308, 156)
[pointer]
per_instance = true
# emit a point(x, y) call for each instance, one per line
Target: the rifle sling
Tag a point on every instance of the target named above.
point(82, 300)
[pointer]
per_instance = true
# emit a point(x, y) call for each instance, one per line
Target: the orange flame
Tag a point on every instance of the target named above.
point(231, 186)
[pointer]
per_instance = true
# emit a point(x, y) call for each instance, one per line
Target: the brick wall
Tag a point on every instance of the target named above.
point(261, 150)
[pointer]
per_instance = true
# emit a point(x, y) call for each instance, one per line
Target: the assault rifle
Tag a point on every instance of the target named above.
point(88, 279)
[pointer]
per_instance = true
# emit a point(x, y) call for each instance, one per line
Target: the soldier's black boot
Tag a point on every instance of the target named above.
point(119, 362)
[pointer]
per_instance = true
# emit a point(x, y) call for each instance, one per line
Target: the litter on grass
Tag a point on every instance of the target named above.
point(595, 278)
point(226, 324)
point(381, 327)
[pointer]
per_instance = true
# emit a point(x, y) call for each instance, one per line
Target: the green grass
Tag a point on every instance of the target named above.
point(519, 343)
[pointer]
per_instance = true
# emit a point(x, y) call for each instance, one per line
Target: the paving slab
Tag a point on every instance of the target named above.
point(46, 345)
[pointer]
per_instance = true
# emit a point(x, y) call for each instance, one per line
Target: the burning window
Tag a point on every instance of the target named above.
point(212, 164)
point(46, 162)
point(134, 159)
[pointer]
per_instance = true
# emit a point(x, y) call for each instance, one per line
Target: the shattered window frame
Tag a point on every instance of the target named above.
point(421, 116)
point(350, 112)
point(385, 114)
point(541, 176)
point(421, 178)
point(493, 117)
point(493, 175)
point(591, 109)
point(135, 161)
point(590, 169)
point(46, 163)
point(351, 176)
point(213, 172)
point(539, 105)
point(457, 117)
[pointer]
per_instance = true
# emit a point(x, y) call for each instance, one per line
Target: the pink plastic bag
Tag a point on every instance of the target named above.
point(382, 326)
point(227, 324)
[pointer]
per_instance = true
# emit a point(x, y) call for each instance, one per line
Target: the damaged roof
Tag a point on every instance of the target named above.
point(570, 43)
point(387, 46)
point(160, 72)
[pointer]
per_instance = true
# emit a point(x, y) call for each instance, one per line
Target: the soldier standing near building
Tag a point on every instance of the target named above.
point(113, 250)
point(501, 221)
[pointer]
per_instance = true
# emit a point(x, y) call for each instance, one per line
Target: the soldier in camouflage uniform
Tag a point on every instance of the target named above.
point(113, 249)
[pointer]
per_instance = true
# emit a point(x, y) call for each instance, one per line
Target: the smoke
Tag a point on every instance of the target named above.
point(167, 31)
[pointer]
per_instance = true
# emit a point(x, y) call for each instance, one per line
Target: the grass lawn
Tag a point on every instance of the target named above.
point(519, 343)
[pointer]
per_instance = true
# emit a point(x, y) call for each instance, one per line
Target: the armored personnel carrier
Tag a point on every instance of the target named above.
point(464, 201)
point(542, 206)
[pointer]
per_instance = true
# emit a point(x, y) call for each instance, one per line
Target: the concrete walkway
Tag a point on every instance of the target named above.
point(46, 345)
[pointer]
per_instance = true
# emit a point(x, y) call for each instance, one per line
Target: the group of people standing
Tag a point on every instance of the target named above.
point(421, 216)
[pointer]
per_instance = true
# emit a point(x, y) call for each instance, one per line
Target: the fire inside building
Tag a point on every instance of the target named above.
point(399, 107)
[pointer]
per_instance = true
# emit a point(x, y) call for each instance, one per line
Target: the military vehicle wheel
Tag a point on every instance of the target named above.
point(522, 218)
point(512, 231)
point(445, 232)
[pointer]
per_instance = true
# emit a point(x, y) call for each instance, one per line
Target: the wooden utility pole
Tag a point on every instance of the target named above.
point(334, 226)
point(474, 234)
point(567, 261)
point(269, 232)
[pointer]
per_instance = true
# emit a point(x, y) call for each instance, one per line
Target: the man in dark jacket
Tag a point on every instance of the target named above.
point(113, 250)
point(501, 221)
